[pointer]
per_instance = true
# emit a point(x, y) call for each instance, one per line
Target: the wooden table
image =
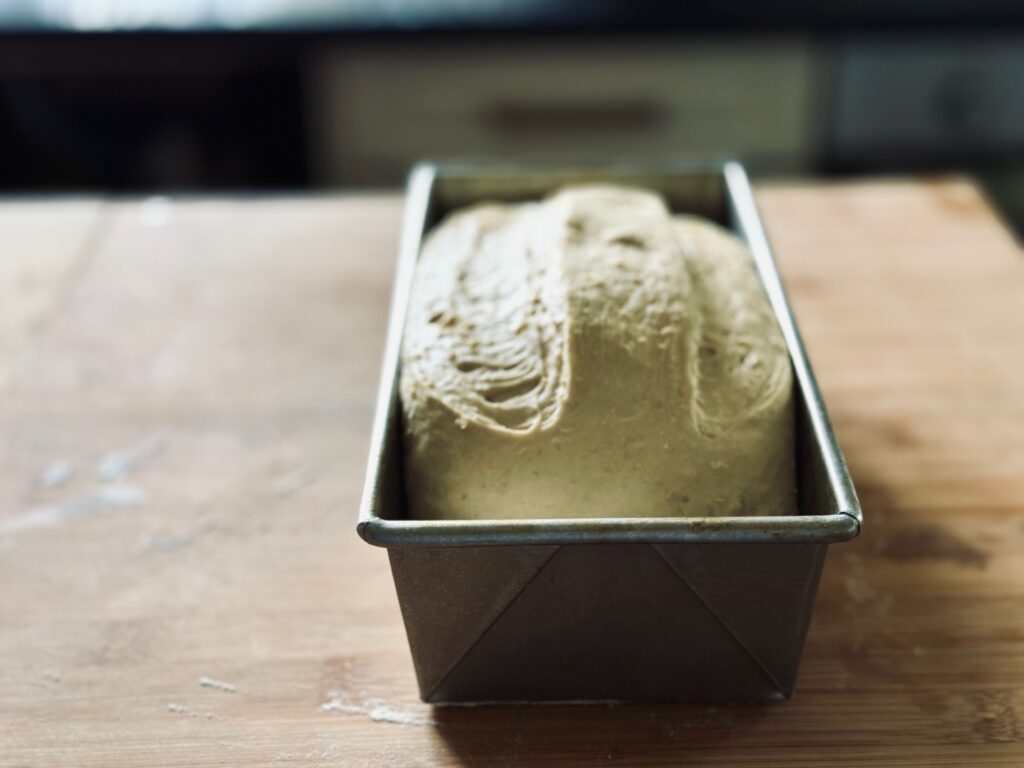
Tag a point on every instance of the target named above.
point(187, 390)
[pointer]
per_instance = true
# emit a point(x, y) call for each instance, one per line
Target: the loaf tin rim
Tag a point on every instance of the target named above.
point(841, 525)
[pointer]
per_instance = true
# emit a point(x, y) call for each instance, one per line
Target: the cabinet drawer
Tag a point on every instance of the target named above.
point(383, 109)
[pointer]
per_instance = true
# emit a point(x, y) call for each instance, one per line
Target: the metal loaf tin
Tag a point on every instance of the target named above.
point(627, 609)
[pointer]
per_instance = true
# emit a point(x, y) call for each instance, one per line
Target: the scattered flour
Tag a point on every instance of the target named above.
point(117, 466)
point(180, 709)
point(56, 475)
point(859, 589)
point(101, 500)
point(164, 544)
point(339, 705)
point(209, 682)
point(376, 709)
point(294, 481)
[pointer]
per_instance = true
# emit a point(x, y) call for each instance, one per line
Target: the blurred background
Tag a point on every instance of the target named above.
point(142, 95)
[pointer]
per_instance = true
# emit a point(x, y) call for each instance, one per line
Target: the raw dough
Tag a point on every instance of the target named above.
point(593, 356)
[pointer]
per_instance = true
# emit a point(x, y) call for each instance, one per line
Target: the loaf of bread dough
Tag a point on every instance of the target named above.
point(592, 356)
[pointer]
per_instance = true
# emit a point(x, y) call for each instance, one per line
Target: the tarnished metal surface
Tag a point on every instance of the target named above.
point(657, 609)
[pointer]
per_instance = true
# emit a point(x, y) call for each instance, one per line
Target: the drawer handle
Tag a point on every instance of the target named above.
point(575, 118)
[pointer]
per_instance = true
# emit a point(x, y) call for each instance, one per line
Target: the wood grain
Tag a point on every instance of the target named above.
point(226, 353)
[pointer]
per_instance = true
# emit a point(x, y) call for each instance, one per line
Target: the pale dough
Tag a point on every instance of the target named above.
point(592, 356)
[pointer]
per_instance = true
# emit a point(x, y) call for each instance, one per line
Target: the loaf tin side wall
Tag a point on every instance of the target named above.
point(634, 622)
